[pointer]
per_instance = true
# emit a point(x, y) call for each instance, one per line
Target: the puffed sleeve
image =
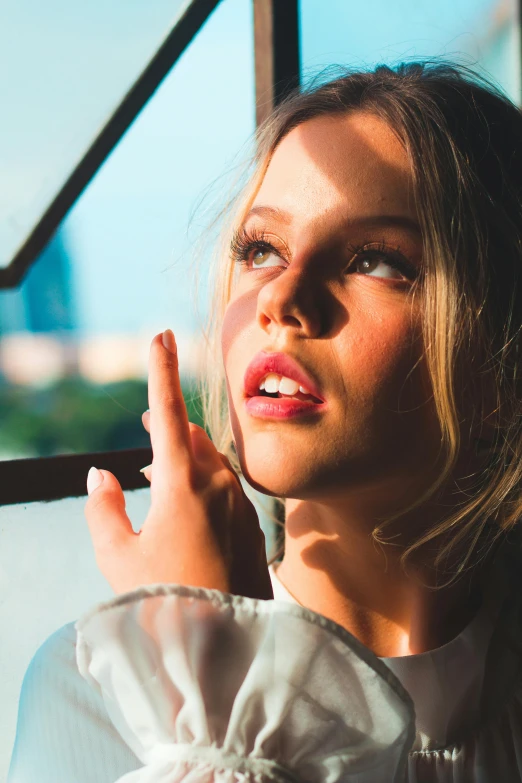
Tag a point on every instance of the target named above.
point(63, 732)
point(206, 687)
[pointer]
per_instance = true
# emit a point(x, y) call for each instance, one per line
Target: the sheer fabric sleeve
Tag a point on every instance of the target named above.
point(64, 734)
point(205, 687)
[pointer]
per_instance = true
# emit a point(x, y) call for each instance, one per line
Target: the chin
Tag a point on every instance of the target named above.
point(284, 477)
point(272, 482)
point(273, 477)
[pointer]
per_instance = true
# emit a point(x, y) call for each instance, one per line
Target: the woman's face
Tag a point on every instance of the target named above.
point(334, 213)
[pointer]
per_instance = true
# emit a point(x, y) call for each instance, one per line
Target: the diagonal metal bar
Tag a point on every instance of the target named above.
point(191, 19)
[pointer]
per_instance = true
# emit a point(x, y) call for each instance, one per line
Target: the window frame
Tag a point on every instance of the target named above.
point(189, 22)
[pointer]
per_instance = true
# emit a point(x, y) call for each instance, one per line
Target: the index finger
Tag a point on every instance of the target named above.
point(169, 424)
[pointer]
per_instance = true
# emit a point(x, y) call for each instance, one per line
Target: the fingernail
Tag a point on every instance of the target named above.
point(94, 479)
point(168, 340)
point(142, 470)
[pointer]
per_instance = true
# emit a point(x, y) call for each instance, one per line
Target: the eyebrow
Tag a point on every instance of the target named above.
point(371, 221)
point(270, 212)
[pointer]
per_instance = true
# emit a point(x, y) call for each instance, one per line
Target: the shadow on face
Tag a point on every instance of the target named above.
point(332, 248)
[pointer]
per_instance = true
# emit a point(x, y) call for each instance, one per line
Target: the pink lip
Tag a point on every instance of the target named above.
point(280, 408)
point(282, 364)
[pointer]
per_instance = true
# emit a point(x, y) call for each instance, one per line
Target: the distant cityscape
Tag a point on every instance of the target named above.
point(39, 337)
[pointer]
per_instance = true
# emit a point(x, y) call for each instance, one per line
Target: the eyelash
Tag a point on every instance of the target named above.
point(244, 242)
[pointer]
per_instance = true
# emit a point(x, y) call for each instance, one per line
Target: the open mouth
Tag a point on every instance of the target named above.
point(297, 396)
point(278, 376)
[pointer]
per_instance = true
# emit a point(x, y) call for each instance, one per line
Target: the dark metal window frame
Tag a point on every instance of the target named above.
point(54, 478)
point(277, 67)
point(187, 26)
point(276, 52)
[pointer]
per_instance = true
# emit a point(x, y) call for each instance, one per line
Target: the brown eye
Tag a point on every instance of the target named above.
point(378, 266)
point(382, 262)
point(261, 256)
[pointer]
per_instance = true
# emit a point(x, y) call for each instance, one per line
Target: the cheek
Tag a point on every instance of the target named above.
point(385, 353)
point(239, 318)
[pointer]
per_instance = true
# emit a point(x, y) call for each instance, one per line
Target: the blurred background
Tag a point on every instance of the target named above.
point(75, 334)
point(74, 337)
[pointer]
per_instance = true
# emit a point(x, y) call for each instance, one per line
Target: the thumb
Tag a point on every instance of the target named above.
point(109, 525)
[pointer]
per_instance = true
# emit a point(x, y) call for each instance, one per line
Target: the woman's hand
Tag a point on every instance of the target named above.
point(201, 528)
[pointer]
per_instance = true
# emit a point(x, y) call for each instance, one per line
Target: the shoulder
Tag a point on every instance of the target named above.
point(64, 733)
point(54, 664)
point(52, 681)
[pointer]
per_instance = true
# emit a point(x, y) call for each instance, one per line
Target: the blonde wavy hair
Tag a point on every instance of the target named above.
point(463, 138)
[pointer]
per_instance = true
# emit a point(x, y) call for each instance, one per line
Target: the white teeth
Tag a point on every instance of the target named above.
point(274, 383)
point(288, 386)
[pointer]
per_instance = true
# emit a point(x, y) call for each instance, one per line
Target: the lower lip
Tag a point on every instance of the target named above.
point(281, 407)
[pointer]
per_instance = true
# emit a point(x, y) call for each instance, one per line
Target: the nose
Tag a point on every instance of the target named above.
point(292, 302)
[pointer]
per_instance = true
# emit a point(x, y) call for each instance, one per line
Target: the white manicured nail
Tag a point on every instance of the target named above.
point(94, 479)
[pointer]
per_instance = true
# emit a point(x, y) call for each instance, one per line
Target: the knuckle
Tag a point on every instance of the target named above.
point(100, 502)
point(224, 480)
point(197, 480)
point(170, 401)
point(185, 477)
point(95, 503)
point(168, 359)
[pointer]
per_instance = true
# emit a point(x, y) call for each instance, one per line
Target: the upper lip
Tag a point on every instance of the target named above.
point(282, 364)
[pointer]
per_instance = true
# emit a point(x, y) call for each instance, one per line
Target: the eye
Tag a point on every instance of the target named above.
point(263, 257)
point(378, 267)
point(382, 262)
point(253, 250)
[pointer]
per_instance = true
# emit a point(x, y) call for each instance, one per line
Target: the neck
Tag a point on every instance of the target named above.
point(333, 566)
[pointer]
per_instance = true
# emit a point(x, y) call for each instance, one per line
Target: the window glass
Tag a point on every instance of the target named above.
point(64, 67)
point(74, 338)
point(53, 551)
point(483, 33)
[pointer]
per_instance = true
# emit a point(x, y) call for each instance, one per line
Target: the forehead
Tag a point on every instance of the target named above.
point(350, 163)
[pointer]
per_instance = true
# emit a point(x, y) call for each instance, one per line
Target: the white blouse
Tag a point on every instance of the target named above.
point(170, 683)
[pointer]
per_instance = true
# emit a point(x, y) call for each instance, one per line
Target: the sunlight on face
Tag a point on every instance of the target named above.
point(326, 262)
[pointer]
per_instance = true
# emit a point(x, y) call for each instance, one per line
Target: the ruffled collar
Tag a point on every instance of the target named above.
point(446, 683)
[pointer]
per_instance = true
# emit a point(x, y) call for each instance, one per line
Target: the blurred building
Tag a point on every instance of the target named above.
point(41, 339)
point(44, 302)
point(39, 319)
point(48, 291)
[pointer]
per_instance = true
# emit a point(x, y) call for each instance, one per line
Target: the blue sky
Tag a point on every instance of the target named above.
point(129, 234)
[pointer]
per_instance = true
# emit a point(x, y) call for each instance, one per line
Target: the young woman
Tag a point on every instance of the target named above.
point(369, 312)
